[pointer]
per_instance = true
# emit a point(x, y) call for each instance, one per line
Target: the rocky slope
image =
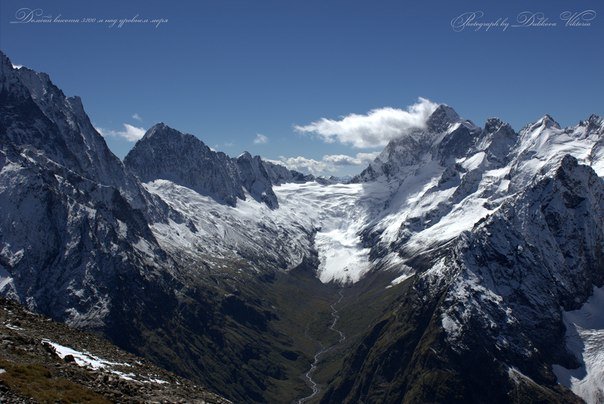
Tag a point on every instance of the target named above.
point(44, 361)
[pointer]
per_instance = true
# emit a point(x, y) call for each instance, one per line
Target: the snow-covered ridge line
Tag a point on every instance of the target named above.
point(423, 191)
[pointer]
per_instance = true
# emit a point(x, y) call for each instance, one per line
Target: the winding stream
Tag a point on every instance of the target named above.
point(313, 385)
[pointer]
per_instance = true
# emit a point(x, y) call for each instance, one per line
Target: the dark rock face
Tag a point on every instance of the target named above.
point(442, 117)
point(279, 174)
point(165, 153)
point(37, 117)
point(34, 370)
point(71, 215)
point(255, 179)
point(458, 142)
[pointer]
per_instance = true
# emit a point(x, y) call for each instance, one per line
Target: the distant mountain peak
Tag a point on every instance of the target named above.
point(245, 155)
point(161, 129)
point(442, 117)
point(493, 124)
point(594, 121)
point(548, 121)
point(165, 153)
point(159, 126)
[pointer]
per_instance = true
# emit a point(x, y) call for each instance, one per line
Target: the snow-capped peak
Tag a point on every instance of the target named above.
point(547, 121)
point(593, 122)
point(442, 117)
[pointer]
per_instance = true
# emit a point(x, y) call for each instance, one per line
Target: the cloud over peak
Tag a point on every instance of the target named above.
point(327, 165)
point(345, 160)
point(374, 129)
point(260, 139)
point(130, 133)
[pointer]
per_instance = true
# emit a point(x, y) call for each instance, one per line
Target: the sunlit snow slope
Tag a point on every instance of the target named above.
point(585, 338)
point(327, 218)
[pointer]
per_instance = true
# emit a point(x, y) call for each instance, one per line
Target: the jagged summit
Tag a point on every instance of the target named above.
point(158, 128)
point(546, 122)
point(446, 137)
point(593, 118)
point(441, 118)
point(165, 153)
point(594, 123)
point(493, 124)
point(549, 122)
point(58, 129)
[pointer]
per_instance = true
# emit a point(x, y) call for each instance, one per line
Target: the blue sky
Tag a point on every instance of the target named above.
point(228, 71)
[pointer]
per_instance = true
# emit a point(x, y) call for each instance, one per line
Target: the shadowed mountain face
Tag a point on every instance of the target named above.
point(165, 153)
point(457, 251)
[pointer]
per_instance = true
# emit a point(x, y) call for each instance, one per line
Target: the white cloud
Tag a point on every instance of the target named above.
point(304, 164)
point(130, 133)
point(374, 129)
point(327, 165)
point(344, 160)
point(137, 117)
point(17, 66)
point(261, 139)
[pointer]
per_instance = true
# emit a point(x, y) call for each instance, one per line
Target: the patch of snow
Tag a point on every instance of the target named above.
point(83, 359)
point(6, 280)
point(450, 325)
point(341, 255)
point(122, 229)
point(87, 360)
point(400, 279)
point(407, 272)
point(122, 375)
point(157, 381)
point(517, 376)
point(461, 218)
point(585, 339)
point(473, 162)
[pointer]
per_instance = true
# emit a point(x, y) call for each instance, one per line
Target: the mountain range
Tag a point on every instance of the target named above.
point(464, 264)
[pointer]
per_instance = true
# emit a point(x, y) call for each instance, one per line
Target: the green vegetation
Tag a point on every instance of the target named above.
point(37, 382)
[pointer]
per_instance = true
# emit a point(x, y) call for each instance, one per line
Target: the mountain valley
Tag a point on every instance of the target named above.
point(459, 264)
